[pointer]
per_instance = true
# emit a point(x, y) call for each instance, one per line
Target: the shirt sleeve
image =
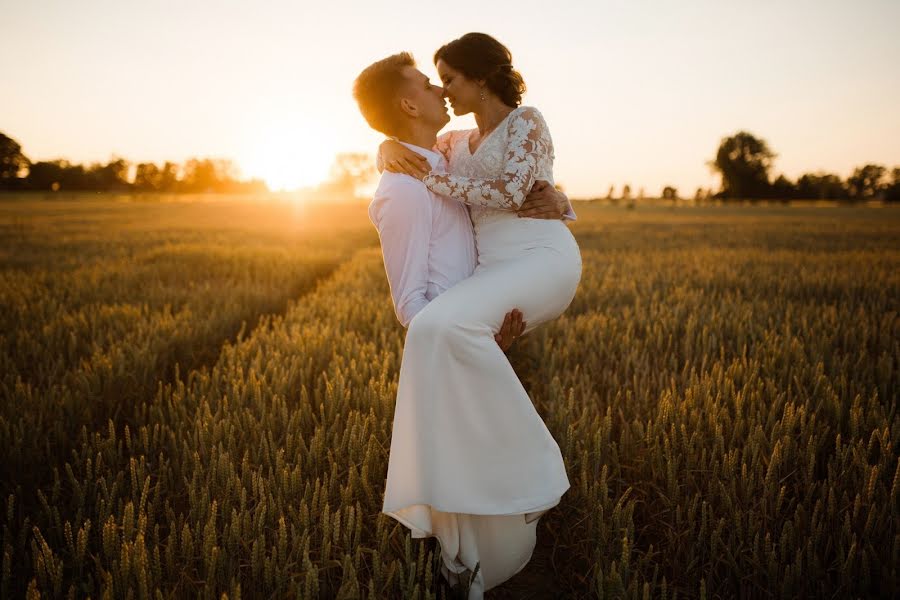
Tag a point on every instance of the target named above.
point(529, 147)
point(569, 215)
point(402, 214)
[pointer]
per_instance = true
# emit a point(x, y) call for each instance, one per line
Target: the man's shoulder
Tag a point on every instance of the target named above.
point(399, 181)
point(398, 187)
point(400, 192)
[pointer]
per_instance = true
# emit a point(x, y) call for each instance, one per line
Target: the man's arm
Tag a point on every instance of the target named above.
point(402, 215)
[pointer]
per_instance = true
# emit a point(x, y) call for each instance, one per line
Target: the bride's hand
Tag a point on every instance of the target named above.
point(397, 158)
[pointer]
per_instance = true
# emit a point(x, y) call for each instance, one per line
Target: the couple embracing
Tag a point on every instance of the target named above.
point(476, 252)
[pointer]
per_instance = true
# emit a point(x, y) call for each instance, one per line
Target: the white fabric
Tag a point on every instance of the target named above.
point(426, 239)
point(471, 462)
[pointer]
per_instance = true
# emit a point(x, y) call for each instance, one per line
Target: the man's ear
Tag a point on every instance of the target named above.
point(409, 108)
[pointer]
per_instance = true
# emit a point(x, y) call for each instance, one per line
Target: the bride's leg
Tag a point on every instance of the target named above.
point(466, 436)
point(541, 284)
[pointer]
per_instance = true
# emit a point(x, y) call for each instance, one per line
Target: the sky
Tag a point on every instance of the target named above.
point(634, 91)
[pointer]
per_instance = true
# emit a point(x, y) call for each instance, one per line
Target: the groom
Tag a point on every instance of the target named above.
point(426, 239)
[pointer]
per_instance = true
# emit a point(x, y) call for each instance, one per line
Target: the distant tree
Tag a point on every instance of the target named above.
point(111, 177)
point(75, 177)
point(783, 189)
point(56, 175)
point(199, 176)
point(892, 191)
point(147, 177)
point(610, 193)
point(821, 186)
point(867, 181)
point(743, 161)
point(208, 175)
point(626, 192)
point(352, 167)
point(699, 195)
point(349, 172)
point(12, 163)
point(168, 177)
point(641, 195)
point(43, 174)
point(669, 193)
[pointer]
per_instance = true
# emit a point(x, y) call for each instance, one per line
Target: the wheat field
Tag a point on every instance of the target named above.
point(197, 398)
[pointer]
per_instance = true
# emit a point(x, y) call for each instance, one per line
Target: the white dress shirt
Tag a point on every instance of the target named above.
point(426, 239)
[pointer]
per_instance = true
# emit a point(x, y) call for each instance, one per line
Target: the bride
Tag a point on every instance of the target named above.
point(471, 461)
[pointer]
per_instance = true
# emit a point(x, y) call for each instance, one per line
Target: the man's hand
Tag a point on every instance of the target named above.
point(544, 202)
point(512, 327)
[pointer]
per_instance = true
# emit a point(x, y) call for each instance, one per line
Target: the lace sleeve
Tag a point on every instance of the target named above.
point(528, 146)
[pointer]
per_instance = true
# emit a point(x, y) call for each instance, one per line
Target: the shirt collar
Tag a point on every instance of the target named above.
point(434, 158)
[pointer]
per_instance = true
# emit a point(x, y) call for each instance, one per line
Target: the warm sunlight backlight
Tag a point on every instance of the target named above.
point(287, 155)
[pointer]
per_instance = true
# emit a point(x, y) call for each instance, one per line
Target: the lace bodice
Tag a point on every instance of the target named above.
point(499, 174)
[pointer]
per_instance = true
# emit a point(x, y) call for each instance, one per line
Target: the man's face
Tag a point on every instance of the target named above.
point(426, 97)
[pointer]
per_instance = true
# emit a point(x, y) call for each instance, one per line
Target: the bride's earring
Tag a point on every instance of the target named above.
point(482, 93)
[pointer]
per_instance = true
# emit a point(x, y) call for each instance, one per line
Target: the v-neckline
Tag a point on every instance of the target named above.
point(485, 138)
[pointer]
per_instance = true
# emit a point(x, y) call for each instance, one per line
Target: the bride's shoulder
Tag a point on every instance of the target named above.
point(527, 113)
point(453, 136)
point(528, 116)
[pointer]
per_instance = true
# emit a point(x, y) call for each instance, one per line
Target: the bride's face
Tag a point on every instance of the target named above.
point(463, 93)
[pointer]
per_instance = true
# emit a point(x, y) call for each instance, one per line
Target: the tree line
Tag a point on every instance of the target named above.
point(18, 173)
point(743, 160)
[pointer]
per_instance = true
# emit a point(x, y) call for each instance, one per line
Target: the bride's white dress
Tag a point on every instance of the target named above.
point(471, 461)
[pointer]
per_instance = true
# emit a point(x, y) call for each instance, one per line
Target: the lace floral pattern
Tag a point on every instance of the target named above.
point(503, 167)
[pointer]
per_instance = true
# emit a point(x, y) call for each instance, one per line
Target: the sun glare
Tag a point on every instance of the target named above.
point(287, 155)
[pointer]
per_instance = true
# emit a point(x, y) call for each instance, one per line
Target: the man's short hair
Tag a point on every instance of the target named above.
point(377, 88)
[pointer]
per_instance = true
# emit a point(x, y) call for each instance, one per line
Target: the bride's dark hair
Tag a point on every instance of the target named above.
point(479, 56)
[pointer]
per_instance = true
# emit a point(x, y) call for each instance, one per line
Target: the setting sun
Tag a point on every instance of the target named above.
point(287, 154)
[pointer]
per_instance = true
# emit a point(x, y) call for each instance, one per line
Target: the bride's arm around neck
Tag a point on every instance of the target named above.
point(529, 147)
